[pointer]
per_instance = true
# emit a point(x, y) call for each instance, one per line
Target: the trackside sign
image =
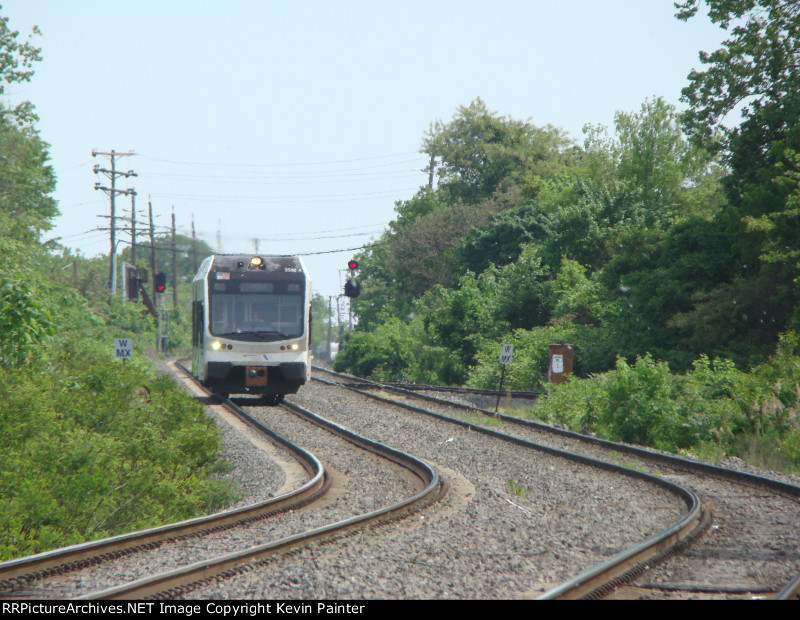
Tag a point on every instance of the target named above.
point(123, 348)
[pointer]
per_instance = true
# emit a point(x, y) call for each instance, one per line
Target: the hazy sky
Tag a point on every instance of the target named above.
point(299, 123)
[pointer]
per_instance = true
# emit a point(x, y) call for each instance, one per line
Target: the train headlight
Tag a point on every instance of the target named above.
point(294, 347)
point(256, 263)
point(216, 345)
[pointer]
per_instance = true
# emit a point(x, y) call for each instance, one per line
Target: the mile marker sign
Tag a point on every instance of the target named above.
point(123, 347)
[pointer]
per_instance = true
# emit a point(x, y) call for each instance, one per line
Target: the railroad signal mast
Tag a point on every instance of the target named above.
point(351, 287)
point(162, 337)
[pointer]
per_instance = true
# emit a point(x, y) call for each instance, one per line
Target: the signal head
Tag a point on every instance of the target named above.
point(352, 264)
point(161, 282)
point(352, 288)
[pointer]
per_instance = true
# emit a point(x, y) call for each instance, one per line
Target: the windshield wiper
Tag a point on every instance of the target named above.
point(262, 334)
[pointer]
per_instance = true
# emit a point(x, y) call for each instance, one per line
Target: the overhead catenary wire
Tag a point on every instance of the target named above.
point(361, 247)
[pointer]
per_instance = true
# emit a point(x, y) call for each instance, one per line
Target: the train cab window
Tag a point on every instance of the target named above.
point(258, 310)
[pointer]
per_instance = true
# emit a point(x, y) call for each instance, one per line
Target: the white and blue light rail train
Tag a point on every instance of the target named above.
point(251, 320)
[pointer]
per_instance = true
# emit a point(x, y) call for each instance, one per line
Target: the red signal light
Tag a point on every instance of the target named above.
point(352, 264)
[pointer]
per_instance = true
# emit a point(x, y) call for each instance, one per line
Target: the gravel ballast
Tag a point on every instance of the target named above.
point(515, 522)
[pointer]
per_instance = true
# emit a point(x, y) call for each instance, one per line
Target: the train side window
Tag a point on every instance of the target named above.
point(197, 324)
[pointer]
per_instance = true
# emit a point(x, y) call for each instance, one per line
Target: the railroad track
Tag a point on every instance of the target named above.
point(25, 577)
point(447, 389)
point(731, 483)
point(592, 583)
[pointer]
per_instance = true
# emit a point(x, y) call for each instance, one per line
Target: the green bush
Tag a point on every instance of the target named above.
point(24, 322)
point(528, 370)
point(712, 411)
point(397, 351)
point(107, 449)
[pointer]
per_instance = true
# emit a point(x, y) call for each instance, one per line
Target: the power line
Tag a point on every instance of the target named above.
point(305, 179)
point(251, 165)
point(363, 247)
point(373, 169)
point(288, 198)
point(284, 237)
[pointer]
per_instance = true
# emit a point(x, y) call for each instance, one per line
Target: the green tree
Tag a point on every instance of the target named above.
point(424, 253)
point(757, 67)
point(16, 62)
point(650, 159)
point(501, 240)
point(655, 159)
point(522, 297)
point(26, 209)
point(24, 322)
point(26, 182)
point(320, 321)
point(479, 153)
point(460, 319)
point(757, 72)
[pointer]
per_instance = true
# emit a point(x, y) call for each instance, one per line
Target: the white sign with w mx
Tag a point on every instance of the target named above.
point(123, 348)
point(507, 354)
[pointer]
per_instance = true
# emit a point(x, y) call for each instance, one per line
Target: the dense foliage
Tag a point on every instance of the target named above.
point(654, 246)
point(711, 411)
point(89, 446)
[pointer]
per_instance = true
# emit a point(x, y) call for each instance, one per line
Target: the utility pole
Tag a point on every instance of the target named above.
point(330, 321)
point(153, 262)
point(112, 192)
point(194, 248)
point(174, 264)
point(133, 228)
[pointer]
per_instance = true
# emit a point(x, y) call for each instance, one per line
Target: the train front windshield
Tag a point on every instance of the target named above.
point(257, 310)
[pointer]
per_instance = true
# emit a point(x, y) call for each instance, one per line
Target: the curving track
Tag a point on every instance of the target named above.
point(479, 541)
point(751, 550)
point(65, 573)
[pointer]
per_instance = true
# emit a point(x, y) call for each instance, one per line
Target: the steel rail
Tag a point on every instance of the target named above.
point(179, 581)
point(419, 387)
point(23, 571)
point(629, 562)
point(662, 457)
point(789, 591)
